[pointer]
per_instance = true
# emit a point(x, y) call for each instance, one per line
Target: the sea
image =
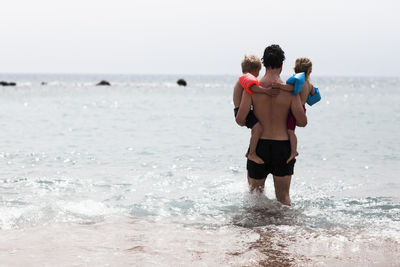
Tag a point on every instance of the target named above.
point(148, 173)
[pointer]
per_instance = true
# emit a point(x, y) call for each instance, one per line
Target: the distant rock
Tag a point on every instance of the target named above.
point(103, 82)
point(181, 82)
point(3, 83)
point(43, 83)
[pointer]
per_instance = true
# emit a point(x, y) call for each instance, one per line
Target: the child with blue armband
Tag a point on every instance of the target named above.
point(309, 94)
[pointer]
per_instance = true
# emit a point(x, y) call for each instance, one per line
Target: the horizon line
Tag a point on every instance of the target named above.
point(187, 74)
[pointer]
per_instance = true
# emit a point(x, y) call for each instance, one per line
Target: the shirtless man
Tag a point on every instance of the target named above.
point(273, 146)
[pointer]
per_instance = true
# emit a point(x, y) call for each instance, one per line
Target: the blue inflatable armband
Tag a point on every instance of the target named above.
point(297, 80)
point(312, 99)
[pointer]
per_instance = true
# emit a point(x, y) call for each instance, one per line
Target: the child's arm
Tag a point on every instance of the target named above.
point(251, 85)
point(285, 87)
point(262, 90)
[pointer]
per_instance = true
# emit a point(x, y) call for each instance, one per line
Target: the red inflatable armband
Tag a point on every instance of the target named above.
point(248, 80)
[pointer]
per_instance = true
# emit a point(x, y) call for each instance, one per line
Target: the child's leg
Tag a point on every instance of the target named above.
point(293, 145)
point(256, 132)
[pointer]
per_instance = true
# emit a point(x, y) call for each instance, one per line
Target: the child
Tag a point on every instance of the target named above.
point(251, 66)
point(302, 65)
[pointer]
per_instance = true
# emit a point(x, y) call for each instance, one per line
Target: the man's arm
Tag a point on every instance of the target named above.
point(237, 94)
point(265, 90)
point(298, 111)
point(244, 108)
point(286, 87)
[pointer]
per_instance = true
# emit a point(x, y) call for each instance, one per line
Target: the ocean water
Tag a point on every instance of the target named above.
point(147, 173)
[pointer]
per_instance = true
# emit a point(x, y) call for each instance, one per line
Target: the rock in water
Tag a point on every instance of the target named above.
point(181, 82)
point(103, 82)
point(3, 83)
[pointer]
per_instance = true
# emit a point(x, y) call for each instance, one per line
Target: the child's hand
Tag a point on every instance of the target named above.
point(272, 91)
point(277, 85)
point(312, 92)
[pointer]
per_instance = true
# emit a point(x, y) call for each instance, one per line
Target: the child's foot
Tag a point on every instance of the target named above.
point(255, 158)
point(293, 154)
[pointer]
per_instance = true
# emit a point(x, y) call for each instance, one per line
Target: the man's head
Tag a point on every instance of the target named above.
point(273, 57)
point(251, 64)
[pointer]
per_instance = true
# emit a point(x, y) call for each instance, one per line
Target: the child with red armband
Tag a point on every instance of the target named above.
point(302, 65)
point(251, 66)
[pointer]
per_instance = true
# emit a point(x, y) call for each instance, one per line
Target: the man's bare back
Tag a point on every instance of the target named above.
point(273, 112)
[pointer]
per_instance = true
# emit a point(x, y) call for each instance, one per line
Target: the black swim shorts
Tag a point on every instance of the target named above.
point(274, 153)
point(251, 119)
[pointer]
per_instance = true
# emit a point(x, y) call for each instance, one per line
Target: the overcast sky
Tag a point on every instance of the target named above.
point(197, 37)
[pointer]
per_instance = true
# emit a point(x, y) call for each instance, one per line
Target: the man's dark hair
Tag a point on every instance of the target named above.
point(273, 57)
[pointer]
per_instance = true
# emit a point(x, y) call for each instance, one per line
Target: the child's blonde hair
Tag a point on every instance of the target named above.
point(250, 63)
point(303, 64)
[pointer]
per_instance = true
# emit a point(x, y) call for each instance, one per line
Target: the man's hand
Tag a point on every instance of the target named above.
point(293, 154)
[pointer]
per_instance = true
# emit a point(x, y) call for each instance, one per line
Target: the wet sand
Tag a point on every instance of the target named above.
point(133, 242)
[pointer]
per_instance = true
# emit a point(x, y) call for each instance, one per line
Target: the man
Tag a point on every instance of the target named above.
point(272, 112)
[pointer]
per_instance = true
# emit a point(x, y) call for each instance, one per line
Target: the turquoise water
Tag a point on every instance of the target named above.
point(150, 173)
